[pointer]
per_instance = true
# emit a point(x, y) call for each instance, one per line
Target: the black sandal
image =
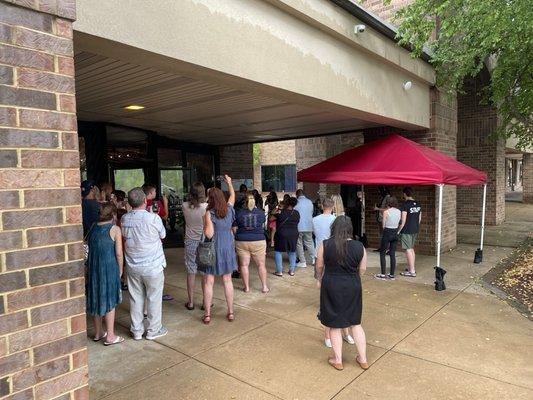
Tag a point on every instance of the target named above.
point(189, 307)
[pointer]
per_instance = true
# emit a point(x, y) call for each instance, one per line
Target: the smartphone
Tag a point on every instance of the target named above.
point(155, 208)
point(220, 178)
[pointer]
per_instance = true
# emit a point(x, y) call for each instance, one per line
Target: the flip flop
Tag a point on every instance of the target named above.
point(189, 307)
point(100, 338)
point(167, 297)
point(118, 339)
point(265, 291)
point(206, 319)
point(230, 317)
point(337, 366)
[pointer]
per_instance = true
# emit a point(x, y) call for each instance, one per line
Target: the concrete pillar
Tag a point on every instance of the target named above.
point(527, 178)
point(42, 290)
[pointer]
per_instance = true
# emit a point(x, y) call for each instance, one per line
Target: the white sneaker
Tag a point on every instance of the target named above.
point(349, 339)
point(137, 336)
point(327, 343)
point(301, 265)
point(161, 332)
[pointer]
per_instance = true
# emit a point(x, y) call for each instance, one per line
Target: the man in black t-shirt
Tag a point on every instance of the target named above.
point(409, 228)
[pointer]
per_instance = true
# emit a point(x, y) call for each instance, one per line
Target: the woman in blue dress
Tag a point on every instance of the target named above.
point(105, 266)
point(218, 222)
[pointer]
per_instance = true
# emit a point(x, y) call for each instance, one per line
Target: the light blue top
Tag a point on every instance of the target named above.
point(143, 232)
point(305, 208)
point(322, 227)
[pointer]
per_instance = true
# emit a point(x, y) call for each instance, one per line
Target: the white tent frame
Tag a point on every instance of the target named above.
point(439, 221)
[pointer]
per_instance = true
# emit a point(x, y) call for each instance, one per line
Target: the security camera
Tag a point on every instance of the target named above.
point(359, 29)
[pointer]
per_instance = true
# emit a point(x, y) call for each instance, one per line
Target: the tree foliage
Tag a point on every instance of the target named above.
point(464, 36)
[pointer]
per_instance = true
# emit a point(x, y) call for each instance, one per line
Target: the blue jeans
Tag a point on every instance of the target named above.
point(278, 256)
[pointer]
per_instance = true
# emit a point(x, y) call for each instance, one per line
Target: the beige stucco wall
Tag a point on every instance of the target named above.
point(301, 51)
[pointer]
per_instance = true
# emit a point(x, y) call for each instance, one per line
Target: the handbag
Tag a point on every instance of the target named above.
point(206, 255)
point(86, 245)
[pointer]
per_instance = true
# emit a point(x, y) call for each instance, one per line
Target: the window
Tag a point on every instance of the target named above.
point(280, 178)
point(126, 179)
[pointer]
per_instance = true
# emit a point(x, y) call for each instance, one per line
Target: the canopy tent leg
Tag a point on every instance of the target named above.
point(478, 256)
point(363, 238)
point(439, 224)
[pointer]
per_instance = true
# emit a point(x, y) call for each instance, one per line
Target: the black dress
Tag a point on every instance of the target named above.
point(341, 300)
point(286, 235)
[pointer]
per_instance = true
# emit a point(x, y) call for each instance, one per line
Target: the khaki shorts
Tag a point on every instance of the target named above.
point(408, 240)
point(247, 249)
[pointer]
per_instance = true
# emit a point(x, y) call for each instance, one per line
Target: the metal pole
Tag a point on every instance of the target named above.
point(363, 211)
point(483, 216)
point(439, 225)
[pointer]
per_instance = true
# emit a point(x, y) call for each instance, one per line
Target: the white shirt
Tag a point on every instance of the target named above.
point(393, 218)
point(305, 208)
point(194, 220)
point(143, 232)
point(322, 227)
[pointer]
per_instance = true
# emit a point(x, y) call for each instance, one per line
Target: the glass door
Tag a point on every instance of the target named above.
point(175, 186)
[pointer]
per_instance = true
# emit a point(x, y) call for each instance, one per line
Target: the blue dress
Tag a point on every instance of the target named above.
point(103, 276)
point(224, 244)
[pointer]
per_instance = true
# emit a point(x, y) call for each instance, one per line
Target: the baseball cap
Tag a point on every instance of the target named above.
point(86, 187)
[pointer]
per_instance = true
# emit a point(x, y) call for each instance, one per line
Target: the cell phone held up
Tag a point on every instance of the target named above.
point(220, 178)
point(155, 208)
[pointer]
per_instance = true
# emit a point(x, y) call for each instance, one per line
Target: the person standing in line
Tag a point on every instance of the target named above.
point(340, 263)
point(322, 231)
point(389, 237)
point(241, 196)
point(106, 190)
point(272, 206)
point(193, 211)
point(258, 199)
point(250, 242)
point(160, 207)
point(143, 232)
point(409, 228)
point(218, 222)
point(89, 205)
point(338, 205)
point(384, 194)
point(105, 266)
point(286, 238)
point(305, 229)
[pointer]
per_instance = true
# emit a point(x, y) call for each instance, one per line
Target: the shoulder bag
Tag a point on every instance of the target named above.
point(206, 255)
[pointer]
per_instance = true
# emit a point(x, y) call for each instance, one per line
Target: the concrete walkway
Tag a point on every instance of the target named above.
point(422, 344)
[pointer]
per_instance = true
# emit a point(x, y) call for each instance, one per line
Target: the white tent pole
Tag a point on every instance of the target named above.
point(483, 215)
point(439, 225)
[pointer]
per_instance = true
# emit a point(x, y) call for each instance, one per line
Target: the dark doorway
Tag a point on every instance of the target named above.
point(353, 206)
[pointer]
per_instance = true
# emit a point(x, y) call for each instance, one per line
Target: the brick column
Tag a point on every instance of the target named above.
point(527, 178)
point(237, 161)
point(42, 305)
point(476, 148)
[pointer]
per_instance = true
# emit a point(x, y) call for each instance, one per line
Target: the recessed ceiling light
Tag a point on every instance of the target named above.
point(133, 107)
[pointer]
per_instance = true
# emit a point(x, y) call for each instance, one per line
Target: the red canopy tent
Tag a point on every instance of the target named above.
point(397, 160)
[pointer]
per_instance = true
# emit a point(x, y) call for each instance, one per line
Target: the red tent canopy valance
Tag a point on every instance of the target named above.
point(393, 160)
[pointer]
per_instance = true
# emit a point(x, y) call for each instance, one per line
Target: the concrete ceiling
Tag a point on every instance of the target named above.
point(192, 110)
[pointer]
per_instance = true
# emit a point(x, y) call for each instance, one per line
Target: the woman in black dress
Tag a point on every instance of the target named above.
point(286, 236)
point(340, 263)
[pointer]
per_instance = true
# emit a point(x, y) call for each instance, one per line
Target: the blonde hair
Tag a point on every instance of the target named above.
point(250, 202)
point(338, 206)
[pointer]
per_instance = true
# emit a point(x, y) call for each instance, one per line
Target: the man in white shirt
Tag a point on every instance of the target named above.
point(145, 262)
point(305, 229)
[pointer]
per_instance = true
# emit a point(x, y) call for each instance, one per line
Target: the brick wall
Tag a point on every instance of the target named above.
point(383, 10)
point(237, 161)
point(311, 151)
point(42, 305)
point(527, 178)
point(475, 148)
point(274, 153)
point(442, 137)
